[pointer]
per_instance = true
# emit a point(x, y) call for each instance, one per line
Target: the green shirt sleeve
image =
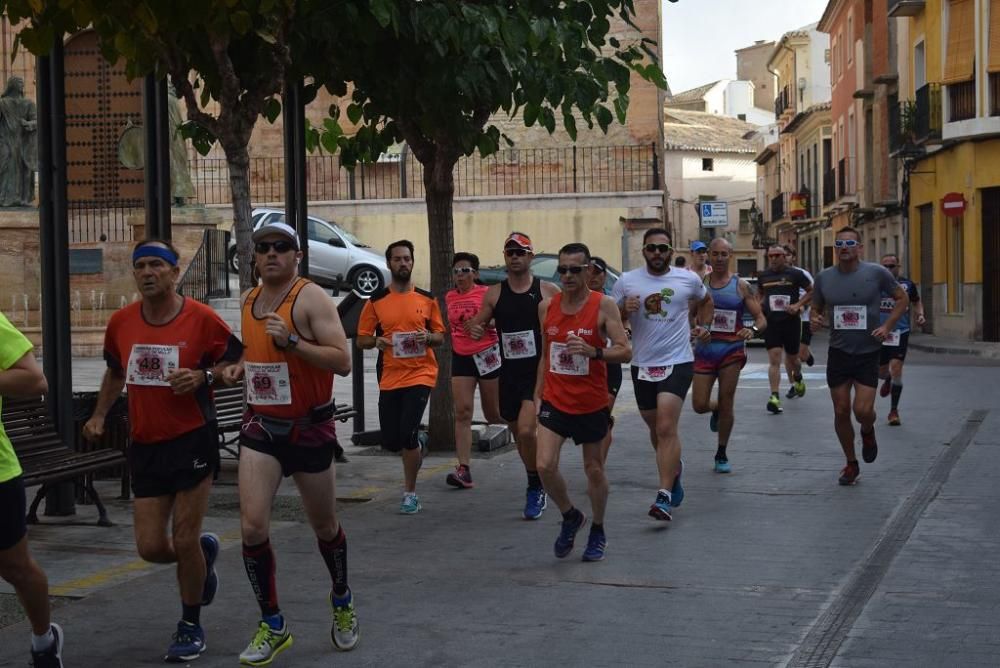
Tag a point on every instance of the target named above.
point(13, 344)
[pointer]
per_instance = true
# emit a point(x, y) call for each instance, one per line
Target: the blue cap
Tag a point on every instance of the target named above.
point(698, 246)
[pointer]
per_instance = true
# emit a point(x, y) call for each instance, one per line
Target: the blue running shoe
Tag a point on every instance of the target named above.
point(564, 543)
point(660, 510)
point(722, 466)
point(597, 542)
point(535, 502)
point(188, 644)
point(713, 422)
point(210, 548)
point(677, 492)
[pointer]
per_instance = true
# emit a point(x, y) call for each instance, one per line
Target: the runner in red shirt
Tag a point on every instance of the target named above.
point(168, 350)
point(572, 392)
point(473, 362)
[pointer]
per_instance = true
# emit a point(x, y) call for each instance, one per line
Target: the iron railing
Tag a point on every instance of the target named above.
point(846, 177)
point(783, 101)
point(777, 207)
point(207, 277)
point(829, 186)
point(994, 93)
point(927, 112)
point(91, 222)
point(516, 171)
point(961, 101)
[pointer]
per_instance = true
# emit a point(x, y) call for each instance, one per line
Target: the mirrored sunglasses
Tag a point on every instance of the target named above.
point(462, 270)
point(845, 243)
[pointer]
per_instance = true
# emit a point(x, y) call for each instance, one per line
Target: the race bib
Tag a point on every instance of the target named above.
point(150, 364)
point(724, 321)
point(563, 362)
point(267, 383)
point(489, 360)
point(518, 345)
point(893, 339)
point(779, 302)
point(655, 374)
point(850, 317)
point(405, 344)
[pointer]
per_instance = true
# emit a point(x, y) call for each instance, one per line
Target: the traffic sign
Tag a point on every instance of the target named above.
point(953, 204)
point(714, 214)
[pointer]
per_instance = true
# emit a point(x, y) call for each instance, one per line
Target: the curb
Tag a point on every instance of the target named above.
point(937, 348)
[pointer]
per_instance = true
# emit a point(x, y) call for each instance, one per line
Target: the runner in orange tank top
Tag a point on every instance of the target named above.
point(295, 344)
point(573, 394)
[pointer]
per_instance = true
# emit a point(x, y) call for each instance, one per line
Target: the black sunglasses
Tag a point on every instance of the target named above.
point(519, 252)
point(889, 266)
point(462, 270)
point(264, 247)
point(663, 248)
point(562, 269)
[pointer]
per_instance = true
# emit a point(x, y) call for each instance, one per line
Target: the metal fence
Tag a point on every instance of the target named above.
point(207, 276)
point(102, 221)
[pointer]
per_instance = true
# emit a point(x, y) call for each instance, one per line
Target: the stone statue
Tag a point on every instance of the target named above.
point(18, 145)
point(181, 187)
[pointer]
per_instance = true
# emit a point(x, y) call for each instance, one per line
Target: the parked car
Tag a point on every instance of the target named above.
point(543, 265)
point(337, 258)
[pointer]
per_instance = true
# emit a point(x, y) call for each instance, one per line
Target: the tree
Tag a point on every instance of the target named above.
point(433, 73)
point(239, 52)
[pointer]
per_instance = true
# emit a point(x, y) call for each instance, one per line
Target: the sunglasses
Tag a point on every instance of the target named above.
point(264, 247)
point(890, 266)
point(462, 270)
point(845, 243)
point(562, 269)
point(519, 252)
point(662, 248)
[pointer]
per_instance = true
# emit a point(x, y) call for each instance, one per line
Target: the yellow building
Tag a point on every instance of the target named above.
point(945, 134)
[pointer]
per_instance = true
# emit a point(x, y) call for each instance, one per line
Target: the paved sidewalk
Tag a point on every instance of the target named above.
point(942, 345)
point(745, 575)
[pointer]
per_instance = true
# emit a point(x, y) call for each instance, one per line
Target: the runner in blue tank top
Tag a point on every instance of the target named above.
point(724, 355)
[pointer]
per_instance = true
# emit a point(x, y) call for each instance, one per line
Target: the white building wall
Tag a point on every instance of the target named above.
point(815, 69)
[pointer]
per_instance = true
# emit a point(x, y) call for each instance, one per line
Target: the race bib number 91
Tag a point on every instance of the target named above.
point(562, 362)
point(150, 365)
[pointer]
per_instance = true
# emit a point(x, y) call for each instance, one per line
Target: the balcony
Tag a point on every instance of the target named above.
point(927, 113)
point(905, 7)
point(777, 207)
point(784, 102)
point(961, 101)
point(829, 186)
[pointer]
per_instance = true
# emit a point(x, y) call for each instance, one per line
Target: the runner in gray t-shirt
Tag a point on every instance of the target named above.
point(848, 296)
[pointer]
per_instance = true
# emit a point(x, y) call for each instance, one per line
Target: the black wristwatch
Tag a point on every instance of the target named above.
point(598, 353)
point(293, 340)
point(209, 377)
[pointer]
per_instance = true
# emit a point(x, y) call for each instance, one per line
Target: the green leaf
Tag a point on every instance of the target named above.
point(604, 117)
point(267, 37)
point(354, 113)
point(570, 124)
point(486, 145)
point(329, 142)
point(272, 109)
point(530, 114)
point(382, 11)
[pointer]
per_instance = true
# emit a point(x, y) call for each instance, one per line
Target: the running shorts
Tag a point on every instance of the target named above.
point(399, 414)
point(677, 383)
point(714, 355)
point(614, 378)
point(515, 389)
point(13, 509)
point(168, 467)
point(298, 449)
point(895, 352)
point(843, 367)
point(585, 428)
point(785, 333)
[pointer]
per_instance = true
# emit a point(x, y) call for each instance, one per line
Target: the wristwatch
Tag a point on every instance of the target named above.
point(293, 340)
point(209, 377)
point(598, 353)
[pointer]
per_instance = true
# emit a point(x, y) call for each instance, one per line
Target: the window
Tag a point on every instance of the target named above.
point(742, 117)
point(745, 221)
point(956, 265)
point(850, 38)
point(708, 164)
point(919, 66)
point(993, 55)
point(323, 234)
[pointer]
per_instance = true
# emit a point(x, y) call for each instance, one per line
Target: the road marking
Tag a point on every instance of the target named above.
point(820, 646)
point(79, 586)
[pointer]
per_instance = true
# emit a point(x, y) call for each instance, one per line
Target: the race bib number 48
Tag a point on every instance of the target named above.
point(850, 317)
point(267, 384)
point(150, 365)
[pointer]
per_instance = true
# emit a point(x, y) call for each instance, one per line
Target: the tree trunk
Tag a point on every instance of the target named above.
point(439, 185)
point(238, 159)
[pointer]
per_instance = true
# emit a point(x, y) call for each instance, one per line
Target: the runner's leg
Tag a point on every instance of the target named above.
point(463, 389)
point(525, 432)
point(864, 407)
point(489, 400)
point(701, 393)
point(841, 396)
point(606, 441)
point(597, 481)
point(549, 444)
point(150, 518)
point(29, 582)
point(729, 377)
point(668, 442)
point(190, 506)
point(774, 368)
point(259, 478)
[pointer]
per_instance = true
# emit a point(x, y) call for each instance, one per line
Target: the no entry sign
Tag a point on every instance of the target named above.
point(953, 204)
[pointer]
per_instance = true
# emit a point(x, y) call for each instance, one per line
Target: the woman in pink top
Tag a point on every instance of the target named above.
point(472, 362)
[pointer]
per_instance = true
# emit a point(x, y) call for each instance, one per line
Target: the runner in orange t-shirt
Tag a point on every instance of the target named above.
point(168, 350)
point(572, 392)
point(404, 323)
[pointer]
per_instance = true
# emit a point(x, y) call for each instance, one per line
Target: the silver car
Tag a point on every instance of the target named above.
point(337, 258)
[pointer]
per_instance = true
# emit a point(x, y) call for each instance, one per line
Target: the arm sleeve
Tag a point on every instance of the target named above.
point(618, 290)
point(13, 344)
point(368, 321)
point(699, 287)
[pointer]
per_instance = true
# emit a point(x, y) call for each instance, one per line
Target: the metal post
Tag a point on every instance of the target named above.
point(358, 386)
point(656, 170)
point(402, 172)
point(156, 122)
point(294, 135)
point(574, 167)
point(54, 242)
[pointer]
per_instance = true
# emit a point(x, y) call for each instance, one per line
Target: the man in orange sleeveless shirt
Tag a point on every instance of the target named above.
point(573, 393)
point(168, 350)
point(404, 323)
point(295, 344)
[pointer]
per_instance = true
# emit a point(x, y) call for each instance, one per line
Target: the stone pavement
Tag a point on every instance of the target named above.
point(929, 343)
point(774, 564)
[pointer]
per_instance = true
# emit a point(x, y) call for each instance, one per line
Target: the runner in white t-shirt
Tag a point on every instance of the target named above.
point(658, 303)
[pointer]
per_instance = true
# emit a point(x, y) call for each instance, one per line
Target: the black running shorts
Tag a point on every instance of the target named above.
point(614, 378)
point(843, 367)
point(465, 366)
point(399, 414)
point(168, 467)
point(785, 333)
point(677, 383)
point(586, 428)
point(13, 508)
point(895, 352)
point(515, 389)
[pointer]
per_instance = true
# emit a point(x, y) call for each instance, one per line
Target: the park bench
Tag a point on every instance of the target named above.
point(229, 408)
point(47, 460)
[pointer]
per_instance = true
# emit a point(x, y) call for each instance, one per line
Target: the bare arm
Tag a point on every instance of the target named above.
point(543, 363)
point(753, 306)
point(620, 351)
point(24, 378)
point(704, 311)
point(111, 388)
point(330, 350)
point(476, 325)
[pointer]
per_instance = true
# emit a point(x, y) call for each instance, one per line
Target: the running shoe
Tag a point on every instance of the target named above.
point(210, 548)
point(188, 643)
point(894, 418)
point(869, 448)
point(886, 388)
point(345, 633)
point(660, 510)
point(791, 393)
point(723, 466)
point(267, 643)
point(597, 543)
point(51, 657)
point(774, 404)
point(713, 422)
point(460, 478)
point(677, 492)
point(850, 474)
point(535, 502)
point(800, 388)
point(410, 504)
point(567, 534)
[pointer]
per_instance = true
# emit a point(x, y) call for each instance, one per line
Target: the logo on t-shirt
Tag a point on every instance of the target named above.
point(656, 302)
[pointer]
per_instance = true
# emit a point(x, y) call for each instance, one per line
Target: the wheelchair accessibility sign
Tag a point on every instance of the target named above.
point(714, 214)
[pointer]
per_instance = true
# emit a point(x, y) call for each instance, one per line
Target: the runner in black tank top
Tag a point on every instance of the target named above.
point(517, 313)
